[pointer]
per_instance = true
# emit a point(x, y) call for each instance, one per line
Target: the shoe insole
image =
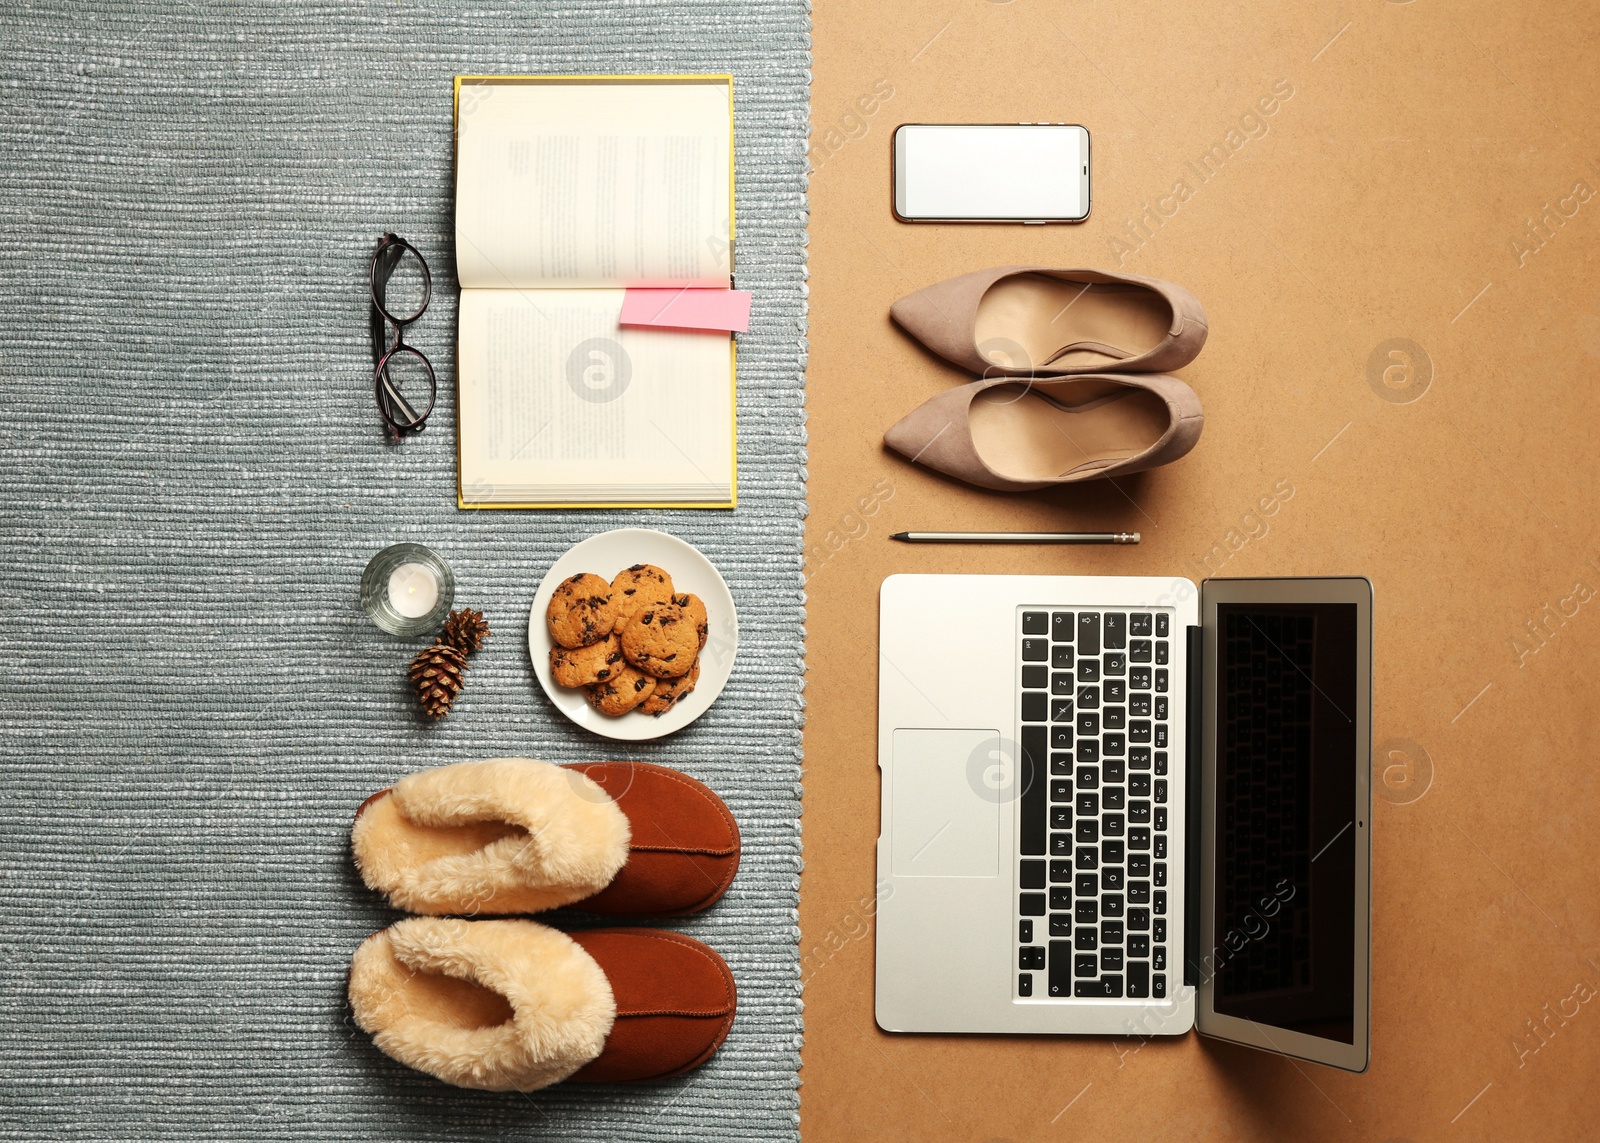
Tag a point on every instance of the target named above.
point(1028, 432)
point(456, 1003)
point(393, 833)
point(1032, 320)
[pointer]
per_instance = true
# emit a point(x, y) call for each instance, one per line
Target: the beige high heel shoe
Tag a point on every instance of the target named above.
point(1033, 321)
point(1016, 435)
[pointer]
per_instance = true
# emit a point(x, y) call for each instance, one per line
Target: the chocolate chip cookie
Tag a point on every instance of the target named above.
point(661, 641)
point(580, 666)
point(581, 611)
point(695, 610)
point(639, 587)
point(669, 692)
point(625, 689)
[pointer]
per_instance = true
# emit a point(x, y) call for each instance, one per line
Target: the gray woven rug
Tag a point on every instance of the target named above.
point(193, 477)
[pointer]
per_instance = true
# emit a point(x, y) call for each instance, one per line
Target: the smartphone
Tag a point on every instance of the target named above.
point(991, 172)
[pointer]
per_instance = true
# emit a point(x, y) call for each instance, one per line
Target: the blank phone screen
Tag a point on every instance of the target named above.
point(1017, 172)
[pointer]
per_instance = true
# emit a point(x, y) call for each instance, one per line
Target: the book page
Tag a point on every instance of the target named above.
point(559, 403)
point(563, 185)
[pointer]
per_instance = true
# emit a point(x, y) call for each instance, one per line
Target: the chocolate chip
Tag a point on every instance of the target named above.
point(603, 673)
point(639, 684)
point(669, 658)
point(637, 567)
point(647, 617)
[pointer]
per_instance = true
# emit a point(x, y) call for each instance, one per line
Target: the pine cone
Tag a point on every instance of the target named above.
point(438, 672)
point(465, 630)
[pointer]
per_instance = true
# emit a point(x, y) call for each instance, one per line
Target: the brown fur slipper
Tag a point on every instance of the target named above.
point(518, 836)
point(516, 1006)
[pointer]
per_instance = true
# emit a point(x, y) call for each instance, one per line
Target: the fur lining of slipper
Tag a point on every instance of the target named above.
point(495, 1005)
point(510, 835)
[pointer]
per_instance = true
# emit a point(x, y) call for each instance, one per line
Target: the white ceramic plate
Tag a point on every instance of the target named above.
point(605, 555)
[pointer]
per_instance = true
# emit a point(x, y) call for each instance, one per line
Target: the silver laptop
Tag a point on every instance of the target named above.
point(1127, 805)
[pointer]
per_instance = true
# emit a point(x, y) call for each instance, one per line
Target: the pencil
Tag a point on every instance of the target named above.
point(1016, 537)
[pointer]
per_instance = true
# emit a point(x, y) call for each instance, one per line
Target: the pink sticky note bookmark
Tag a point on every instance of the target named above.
point(721, 310)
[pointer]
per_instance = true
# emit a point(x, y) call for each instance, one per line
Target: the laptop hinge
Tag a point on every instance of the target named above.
point(1191, 858)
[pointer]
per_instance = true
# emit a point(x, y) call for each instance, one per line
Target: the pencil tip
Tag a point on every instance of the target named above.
point(901, 536)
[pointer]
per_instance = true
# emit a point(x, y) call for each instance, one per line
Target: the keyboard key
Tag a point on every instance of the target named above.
point(1030, 874)
point(1110, 960)
point(1161, 652)
point(1160, 931)
point(1035, 650)
point(1161, 846)
point(1088, 632)
point(1089, 698)
point(1061, 898)
point(1084, 912)
point(1160, 904)
point(1025, 932)
point(1139, 837)
point(1083, 938)
point(1116, 690)
point(1114, 744)
point(1031, 957)
point(1060, 872)
point(1161, 791)
point(1115, 630)
point(1112, 771)
point(1111, 878)
point(1139, 893)
point(1088, 805)
point(1139, 678)
point(1088, 750)
point(1138, 730)
point(1139, 651)
point(1060, 790)
point(1158, 986)
point(1025, 984)
point(1060, 925)
point(1060, 762)
point(1060, 709)
point(1161, 874)
point(1113, 717)
point(1111, 853)
point(1035, 676)
point(1111, 798)
point(1035, 623)
point(1163, 624)
point(1061, 657)
point(1114, 663)
point(1138, 945)
point(1060, 845)
point(1138, 980)
point(1159, 960)
point(1031, 832)
point(1088, 723)
point(1086, 885)
point(1139, 921)
point(1111, 825)
point(1161, 708)
point(1083, 964)
point(1139, 812)
point(1139, 785)
point(1161, 735)
point(1138, 758)
point(1061, 817)
point(1161, 817)
point(1031, 904)
point(1095, 989)
point(1060, 682)
point(1035, 706)
point(1088, 670)
point(1088, 778)
point(1087, 857)
point(1139, 623)
point(1061, 626)
point(1161, 681)
point(1060, 982)
point(1139, 865)
point(1087, 830)
point(1139, 706)
point(1061, 736)
point(1161, 761)
point(1111, 932)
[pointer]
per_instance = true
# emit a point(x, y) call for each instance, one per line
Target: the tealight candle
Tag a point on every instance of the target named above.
point(413, 590)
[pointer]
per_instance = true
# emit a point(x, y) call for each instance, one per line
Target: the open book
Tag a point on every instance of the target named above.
point(568, 190)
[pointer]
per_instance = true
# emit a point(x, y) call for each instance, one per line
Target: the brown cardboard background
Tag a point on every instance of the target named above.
point(1380, 203)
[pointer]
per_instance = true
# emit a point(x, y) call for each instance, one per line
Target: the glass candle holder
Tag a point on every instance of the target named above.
point(407, 589)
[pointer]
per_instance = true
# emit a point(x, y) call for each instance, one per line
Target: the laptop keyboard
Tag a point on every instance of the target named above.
point(1092, 872)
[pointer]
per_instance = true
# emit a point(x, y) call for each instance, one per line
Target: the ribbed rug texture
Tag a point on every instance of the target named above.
point(192, 478)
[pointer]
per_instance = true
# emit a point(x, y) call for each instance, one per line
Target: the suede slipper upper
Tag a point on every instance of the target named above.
point(518, 836)
point(515, 1006)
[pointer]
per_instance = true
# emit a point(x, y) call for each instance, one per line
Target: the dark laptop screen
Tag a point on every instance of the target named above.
point(1286, 839)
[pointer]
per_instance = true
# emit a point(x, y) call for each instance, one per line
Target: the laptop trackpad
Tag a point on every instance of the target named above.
point(949, 789)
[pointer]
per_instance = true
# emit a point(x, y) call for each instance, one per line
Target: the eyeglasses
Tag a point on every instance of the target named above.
point(402, 378)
